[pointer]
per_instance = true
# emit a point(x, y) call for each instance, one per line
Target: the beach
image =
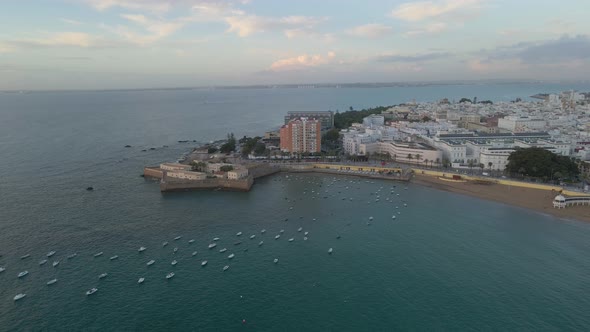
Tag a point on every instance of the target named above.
point(534, 199)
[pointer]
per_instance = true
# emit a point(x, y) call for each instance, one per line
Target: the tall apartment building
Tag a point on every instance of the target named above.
point(301, 135)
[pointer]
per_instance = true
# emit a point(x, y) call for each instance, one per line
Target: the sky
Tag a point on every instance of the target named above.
point(112, 44)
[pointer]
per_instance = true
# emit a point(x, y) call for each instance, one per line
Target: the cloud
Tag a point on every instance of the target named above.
point(441, 9)
point(302, 61)
point(60, 40)
point(370, 30)
point(149, 5)
point(68, 21)
point(245, 25)
point(561, 50)
point(425, 57)
point(429, 29)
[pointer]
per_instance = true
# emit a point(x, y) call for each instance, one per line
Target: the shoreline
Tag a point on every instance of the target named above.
point(538, 200)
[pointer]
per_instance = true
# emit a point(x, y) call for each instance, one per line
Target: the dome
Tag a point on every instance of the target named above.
point(559, 198)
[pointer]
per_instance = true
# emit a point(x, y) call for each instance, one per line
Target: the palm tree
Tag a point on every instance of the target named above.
point(410, 157)
point(426, 162)
point(418, 157)
point(437, 161)
point(470, 163)
point(490, 165)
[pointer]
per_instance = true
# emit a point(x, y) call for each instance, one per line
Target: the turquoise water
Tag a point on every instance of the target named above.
point(447, 262)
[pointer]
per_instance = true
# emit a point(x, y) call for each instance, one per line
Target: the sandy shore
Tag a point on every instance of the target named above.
point(535, 199)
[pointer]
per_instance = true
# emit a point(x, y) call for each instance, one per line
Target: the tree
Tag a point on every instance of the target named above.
point(465, 100)
point(418, 157)
point(490, 165)
point(198, 166)
point(470, 163)
point(426, 162)
point(259, 149)
point(539, 162)
point(226, 168)
point(230, 145)
point(481, 166)
point(437, 161)
point(211, 149)
point(410, 157)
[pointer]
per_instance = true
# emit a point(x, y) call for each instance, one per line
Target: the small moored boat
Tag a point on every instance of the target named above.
point(56, 263)
point(151, 262)
point(22, 274)
point(175, 250)
point(141, 280)
point(330, 251)
point(51, 253)
point(2, 269)
point(98, 254)
point(25, 256)
point(170, 275)
point(191, 241)
point(212, 245)
point(225, 267)
point(223, 250)
point(195, 253)
point(177, 238)
point(141, 249)
point(276, 260)
point(215, 239)
point(300, 229)
point(174, 262)
point(277, 237)
point(19, 296)
point(263, 231)
point(114, 257)
point(203, 263)
point(42, 262)
point(72, 255)
point(260, 243)
point(91, 291)
point(252, 236)
point(164, 244)
point(51, 282)
point(291, 239)
point(102, 276)
point(230, 256)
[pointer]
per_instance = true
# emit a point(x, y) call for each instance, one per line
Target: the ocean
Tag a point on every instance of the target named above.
point(446, 262)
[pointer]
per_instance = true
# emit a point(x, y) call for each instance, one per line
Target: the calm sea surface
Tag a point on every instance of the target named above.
point(446, 262)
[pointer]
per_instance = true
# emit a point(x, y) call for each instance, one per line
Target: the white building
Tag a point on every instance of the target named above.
point(516, 123)
point(186, 175)
point(374, 120)
point(175, 167)
point(498, 157)
point(237, 174)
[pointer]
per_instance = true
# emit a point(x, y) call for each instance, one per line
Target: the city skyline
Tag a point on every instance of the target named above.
point(102, 44)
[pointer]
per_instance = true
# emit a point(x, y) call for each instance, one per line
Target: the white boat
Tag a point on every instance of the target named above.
point(231, 256)
point(305, 238)
point(51, 282)
point(282, 231)
point(223, 250)
point(22, 274)
point(276, 260)
point(175, 250)
point(252, 236)
point(212, 245)
point(19, 296)
point(260, 243)
point(42, 262)
point(330, 251)
point(98, 254)
point(170, 275)
point(177, 238)
point(370, 218)
point(195, 253)
point(392, 217)
point(164, 244)
point(277, 237)
point(300, 229)
point(51, 253)
point(291, 239)
point(102, 276)
point(141, 249)
point(215, 239)
point(25, 256)
point(151, 262)
point(72, 255)
point(225, 267)
point(56, 263)
point(305, 233)
point(114, 257)
point(2, 269)
point(174, 262)
point(238, 233)
point(191, 241)
point(141, 280)
point(91, 291)
point(203, 263)
point(263, 231)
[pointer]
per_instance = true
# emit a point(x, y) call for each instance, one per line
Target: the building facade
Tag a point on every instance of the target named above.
point(301, 135)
